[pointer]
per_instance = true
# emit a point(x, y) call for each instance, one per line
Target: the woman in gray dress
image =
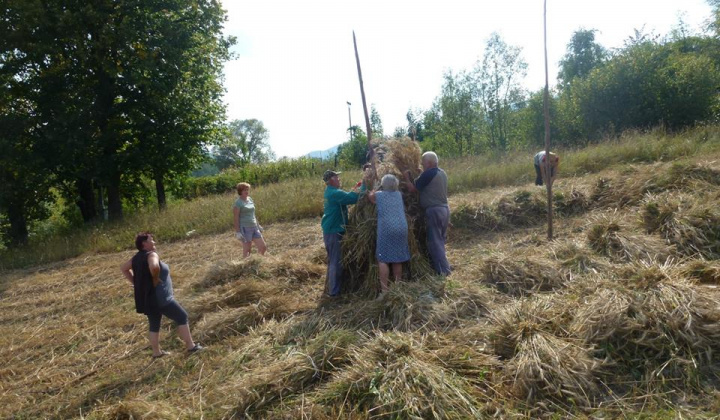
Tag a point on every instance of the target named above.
point(392, 230)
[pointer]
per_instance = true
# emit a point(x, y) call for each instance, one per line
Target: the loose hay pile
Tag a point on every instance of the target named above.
point(398, 156)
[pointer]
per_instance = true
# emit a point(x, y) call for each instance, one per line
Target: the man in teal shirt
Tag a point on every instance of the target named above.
point(335, 217)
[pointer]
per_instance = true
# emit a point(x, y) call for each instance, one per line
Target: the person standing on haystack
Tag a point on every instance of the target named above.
point(432, 186)
point(392, 230)
point(335, 217)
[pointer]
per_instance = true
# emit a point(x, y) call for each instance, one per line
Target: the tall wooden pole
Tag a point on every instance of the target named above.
point(546, 107)
point(371, 152)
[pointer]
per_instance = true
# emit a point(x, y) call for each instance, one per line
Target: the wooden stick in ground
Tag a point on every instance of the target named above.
point(546, 100)
point(371, 152)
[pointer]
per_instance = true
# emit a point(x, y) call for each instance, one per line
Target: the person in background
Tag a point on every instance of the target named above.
point(540, 164)
point(335, 217)
point(392, 230)
point(247, 229)
point(432, 186)
point(152, 284)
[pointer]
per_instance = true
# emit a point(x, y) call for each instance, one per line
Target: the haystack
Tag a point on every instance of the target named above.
point(396, 157)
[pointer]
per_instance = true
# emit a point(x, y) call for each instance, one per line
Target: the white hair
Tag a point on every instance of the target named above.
point(430, 157)
point(389, 183)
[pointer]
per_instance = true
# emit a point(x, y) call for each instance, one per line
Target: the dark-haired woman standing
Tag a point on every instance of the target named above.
point(151, 281)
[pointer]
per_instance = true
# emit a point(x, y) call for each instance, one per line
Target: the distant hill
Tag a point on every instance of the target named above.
point(323, 154)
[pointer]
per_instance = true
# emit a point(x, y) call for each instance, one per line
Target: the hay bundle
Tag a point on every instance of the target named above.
point(406, 306)
point(701, 271)
point(263, 268)
point(607, 237)
point(467, 303)
point(546, 367)
point(231, 295)
point(216, 326)
point(693, 226)
point(649, 324)
point(395, 375)
point(620, 191)
point(511, 323)
point(519, 275)
point(522, 208)
point(682, 175)
point(573, 203)
point(577, 258)
point(475, 217)
point(291, 373)
point(398, 157)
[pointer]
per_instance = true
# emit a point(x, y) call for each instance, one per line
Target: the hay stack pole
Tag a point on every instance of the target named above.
point(546, 99)
point(371, 152)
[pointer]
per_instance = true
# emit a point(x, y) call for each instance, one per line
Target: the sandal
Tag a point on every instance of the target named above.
point(196, 349)
point(162, 353)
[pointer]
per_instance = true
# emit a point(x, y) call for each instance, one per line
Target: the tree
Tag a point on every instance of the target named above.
point(119, 88)
point(583, 54)
point(498, 85)
point(354, 152)
point(415, 127)
point(376, 123)
point(246, 142)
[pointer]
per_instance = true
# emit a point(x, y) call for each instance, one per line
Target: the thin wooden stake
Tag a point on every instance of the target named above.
point(546, 107)
point(371, 152)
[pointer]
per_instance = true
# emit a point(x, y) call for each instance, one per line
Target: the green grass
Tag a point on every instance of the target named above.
point(302, 198)
point(289, 200)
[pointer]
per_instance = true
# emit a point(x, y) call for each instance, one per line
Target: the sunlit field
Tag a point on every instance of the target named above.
point(617, 317)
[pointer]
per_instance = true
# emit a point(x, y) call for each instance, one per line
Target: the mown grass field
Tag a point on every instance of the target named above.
point(618, 317)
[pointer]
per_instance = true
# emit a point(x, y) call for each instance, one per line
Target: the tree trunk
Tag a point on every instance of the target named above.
point(160, 189)
point(86, 200)
point(114, 200)
point(18, 233)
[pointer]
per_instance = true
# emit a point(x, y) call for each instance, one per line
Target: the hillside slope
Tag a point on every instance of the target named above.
point(618, 316)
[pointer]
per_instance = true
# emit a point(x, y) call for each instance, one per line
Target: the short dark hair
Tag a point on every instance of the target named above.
point(140, 238)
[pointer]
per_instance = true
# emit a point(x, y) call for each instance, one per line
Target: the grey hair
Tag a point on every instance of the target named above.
point(430, 157)
point(389, 183)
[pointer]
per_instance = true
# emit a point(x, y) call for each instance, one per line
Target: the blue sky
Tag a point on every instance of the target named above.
point(295, 65)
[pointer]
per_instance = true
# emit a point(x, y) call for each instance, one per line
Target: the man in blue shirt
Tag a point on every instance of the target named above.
point(432, 186)
point(335, 217)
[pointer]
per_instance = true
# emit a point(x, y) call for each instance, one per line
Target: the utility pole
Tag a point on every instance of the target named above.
point(350, 122)
point(546, 111)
